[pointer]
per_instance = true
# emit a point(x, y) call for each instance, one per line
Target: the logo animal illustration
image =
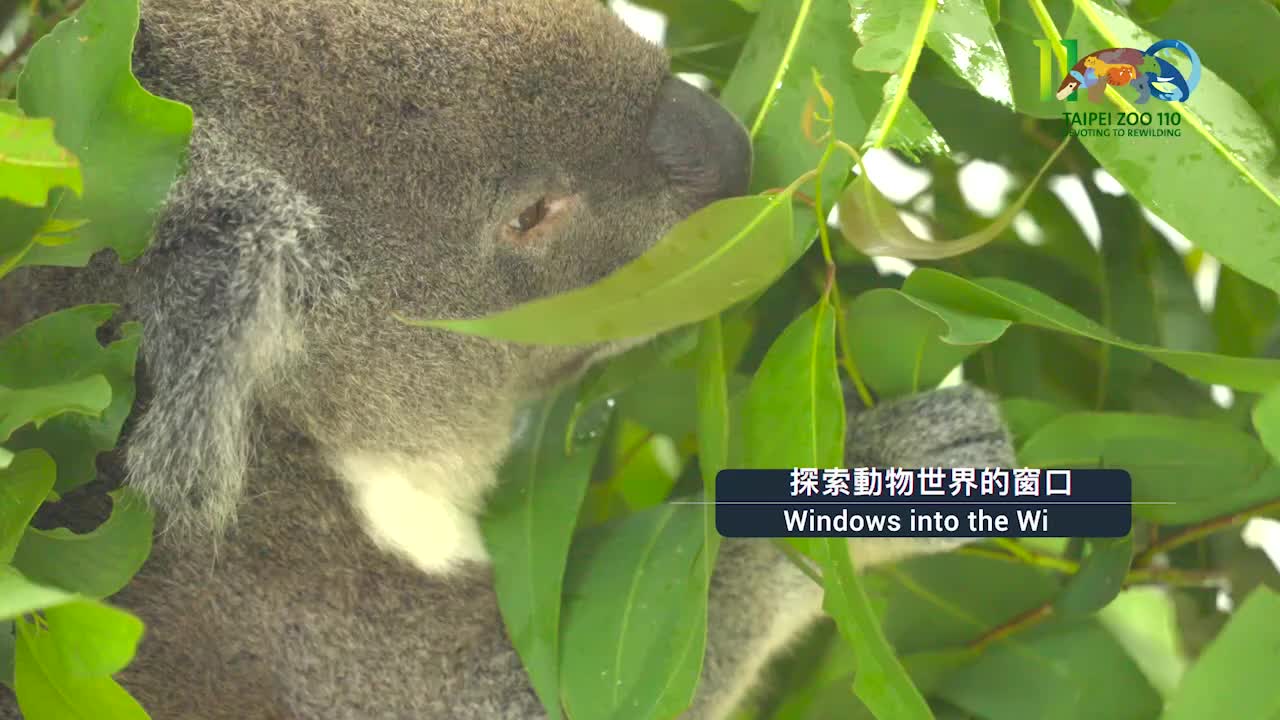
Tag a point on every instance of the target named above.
point(1142, 70)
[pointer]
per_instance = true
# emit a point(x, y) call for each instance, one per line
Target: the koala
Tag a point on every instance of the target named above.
point(318, 467)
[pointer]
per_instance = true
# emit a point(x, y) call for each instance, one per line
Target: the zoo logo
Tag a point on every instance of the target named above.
point(1141, 70)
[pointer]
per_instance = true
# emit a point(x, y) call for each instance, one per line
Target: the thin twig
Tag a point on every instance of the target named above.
point(1019, 622)
point(1208, 527)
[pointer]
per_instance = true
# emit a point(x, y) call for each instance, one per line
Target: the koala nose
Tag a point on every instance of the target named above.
point(703, 149)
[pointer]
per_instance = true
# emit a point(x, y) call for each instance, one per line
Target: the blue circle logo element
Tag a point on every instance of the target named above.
point(1140, 70)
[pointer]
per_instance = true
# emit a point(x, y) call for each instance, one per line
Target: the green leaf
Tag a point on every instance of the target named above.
point(902, 344)
point(1235, 676)
point(129, 141)
point(63, 348)
point(1235, 39)
point(1245, 314)
point(23, 486)
point(714, 427)
point(1266, 418)
point(892, 38)
point(1221, 160)
point(795, 406)
point(46, 689)
point(1144, 620)
point(962, 33)
point(92, 638)
point(21, 224)
point(527, 529)
point(771, 88)
point(1100, 578)
point(7, 650)
point(664, 401)
point(940, 602)
point(1060, 672)
point(1169, 459)
point(635, 618)
point(998, 298)
point(32, 163)
point(1128, 300)
point(881, 681)
point(873, 224)
point(18, 407)
point(645, 468)
point(1025, 416)
point(724, 253)
point(95, 564)
point(713, 418)
point(1182, 323)
point(6, 458)
point(607, 379)
point(20, 596)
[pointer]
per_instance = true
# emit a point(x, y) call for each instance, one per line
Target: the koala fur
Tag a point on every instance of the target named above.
point(319, 466)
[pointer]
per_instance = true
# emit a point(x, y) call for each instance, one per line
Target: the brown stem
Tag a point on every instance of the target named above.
point(1208, 527)
point(1019, 622)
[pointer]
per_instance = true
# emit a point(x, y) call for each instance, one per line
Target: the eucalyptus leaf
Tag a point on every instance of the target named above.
point(872, 223)
point(902, 344)
point(1234, 676)
point(20, 225)
point(635, 617)
point(1266, 419)
point(86, 396)
point(32, 163)
point(1245, 314)
point(1025, 416)
point(60, 348)
point(963, 34)
point(1129, 297)
point(20, 596)
point(1169, 459)
point(1221, 159)
point(610, 378)
point(527, 528)
point(95, 564)
point(998, 298)
point(93, 639)
point(892, 36)
point(46, 688)
point(129, 142)
point(794, 410)
point(1144, 620)
point(1099, 579)
point(1235, 40)
point(880, 682)
point(724, 253)
point(1061, 672)
point(23, 486)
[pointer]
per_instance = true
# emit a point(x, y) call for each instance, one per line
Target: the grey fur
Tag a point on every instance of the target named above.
point(353, 159)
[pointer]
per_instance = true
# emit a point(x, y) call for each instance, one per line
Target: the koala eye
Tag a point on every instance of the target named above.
point(530, 217)
point(538, 222)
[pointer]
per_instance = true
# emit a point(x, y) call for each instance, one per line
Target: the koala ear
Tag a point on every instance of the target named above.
point(235, 261)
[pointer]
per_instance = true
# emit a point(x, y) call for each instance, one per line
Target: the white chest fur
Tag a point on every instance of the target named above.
point(421, 509)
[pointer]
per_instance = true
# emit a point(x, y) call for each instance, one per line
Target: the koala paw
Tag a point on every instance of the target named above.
point(952, 427)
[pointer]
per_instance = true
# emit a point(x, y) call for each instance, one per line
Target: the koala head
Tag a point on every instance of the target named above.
point(355, 159)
